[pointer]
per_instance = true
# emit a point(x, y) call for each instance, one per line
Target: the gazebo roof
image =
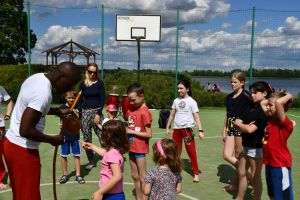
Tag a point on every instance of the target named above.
point(61, 49)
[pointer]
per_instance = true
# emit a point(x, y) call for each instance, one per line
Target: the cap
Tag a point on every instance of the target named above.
point(111, 108)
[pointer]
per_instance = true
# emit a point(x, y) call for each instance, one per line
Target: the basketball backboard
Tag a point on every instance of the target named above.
point(131, 27)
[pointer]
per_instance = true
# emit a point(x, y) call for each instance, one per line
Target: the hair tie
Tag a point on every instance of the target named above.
point(271, 88)
point(160, 149)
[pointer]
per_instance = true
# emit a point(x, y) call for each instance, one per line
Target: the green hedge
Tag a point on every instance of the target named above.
point(159, 87)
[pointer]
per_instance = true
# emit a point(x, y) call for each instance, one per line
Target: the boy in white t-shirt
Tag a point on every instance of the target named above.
point(111, 111)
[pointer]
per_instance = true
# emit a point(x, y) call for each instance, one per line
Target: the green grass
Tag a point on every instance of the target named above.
point(216, 173)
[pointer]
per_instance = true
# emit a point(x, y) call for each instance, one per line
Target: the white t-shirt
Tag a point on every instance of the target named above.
point(35, 93)
point(4, 96)
point(185, 108)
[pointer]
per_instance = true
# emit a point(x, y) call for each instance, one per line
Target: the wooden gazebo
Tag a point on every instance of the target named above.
point(68, 49)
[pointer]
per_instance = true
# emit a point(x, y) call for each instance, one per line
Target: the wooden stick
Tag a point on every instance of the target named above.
point(76, 100)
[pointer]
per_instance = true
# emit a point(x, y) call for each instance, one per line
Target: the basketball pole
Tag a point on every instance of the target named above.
point(138, 40)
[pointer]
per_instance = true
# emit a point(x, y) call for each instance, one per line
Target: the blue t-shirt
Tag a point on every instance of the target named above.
point(93, 96)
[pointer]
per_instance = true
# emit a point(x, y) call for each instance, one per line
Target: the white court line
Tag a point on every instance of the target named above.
point(75, 182)
point(294, 115)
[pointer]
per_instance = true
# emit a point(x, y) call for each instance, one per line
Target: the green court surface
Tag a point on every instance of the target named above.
point(216, 173)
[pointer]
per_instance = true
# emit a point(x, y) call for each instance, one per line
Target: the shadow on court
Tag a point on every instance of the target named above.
point(227, 176)
point(187, 166)
point(83, 171)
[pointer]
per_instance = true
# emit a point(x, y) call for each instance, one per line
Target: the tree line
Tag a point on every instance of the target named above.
point(159, 87)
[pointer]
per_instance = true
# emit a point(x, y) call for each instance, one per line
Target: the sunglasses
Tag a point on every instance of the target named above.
point(92, 72)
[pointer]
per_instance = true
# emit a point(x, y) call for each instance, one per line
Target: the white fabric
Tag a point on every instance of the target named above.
point(285, 178)
point(104, 121)
point(4, 96)
point(35, 93)
point(184, 115)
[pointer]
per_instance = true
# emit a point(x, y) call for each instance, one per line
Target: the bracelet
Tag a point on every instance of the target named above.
point(200, 130)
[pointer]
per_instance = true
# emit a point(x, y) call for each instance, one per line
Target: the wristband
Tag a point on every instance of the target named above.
point(200, 130)
point(8, 116)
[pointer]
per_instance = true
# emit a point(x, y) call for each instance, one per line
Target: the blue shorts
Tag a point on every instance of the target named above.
point(279, 183)
point(137, 155)
point(67, 145)
point(116, 196)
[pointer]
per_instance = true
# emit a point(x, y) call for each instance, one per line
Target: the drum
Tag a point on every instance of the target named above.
point(125, 106)
point(113, 99)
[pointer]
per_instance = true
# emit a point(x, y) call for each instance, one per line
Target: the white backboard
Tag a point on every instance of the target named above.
point(147, 27)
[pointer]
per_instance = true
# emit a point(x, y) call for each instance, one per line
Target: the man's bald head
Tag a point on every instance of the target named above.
point(69, 69)
point(64, 76)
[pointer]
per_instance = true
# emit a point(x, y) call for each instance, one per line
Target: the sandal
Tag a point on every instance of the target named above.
point(79, 180)
point(230, 188)
point(63, 179)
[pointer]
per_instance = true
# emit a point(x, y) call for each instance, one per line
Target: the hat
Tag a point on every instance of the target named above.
point(111, 108)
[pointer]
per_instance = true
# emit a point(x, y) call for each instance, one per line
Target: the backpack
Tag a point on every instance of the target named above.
point(163, 118)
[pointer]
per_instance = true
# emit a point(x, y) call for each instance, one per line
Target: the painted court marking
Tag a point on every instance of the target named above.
point(74, 182)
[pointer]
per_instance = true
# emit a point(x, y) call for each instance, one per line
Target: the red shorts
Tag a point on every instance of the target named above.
point(2, 168)
point(24, 170)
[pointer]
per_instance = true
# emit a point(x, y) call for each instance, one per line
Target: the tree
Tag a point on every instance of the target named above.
point(13, 32)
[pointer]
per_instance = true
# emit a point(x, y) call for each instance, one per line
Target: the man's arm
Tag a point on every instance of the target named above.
point(28, 130)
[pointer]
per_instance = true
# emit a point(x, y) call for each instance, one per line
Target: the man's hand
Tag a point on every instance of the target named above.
point(57, 140)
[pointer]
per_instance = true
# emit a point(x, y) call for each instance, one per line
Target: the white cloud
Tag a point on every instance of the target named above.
point(226, 26)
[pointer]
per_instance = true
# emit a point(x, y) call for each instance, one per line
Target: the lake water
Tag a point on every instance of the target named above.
point(291, 85)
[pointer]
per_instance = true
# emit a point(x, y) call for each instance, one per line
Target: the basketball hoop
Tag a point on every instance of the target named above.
point(138, 28)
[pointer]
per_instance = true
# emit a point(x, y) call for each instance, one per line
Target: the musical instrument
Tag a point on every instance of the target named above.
point(70, 123)
point(113, 99)
point(125, 106)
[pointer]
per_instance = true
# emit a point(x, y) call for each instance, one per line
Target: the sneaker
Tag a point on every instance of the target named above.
point(90, 166)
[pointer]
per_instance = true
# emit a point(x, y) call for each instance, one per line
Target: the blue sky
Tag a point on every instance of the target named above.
point(214, 34)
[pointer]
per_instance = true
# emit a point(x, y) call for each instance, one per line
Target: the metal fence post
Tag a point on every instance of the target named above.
point(177, 52)
point(28, 38)
point(252, 45)
point(102, 42)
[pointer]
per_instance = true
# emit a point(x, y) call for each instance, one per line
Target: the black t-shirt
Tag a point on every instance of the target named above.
point(256, 115)
point(236, 107)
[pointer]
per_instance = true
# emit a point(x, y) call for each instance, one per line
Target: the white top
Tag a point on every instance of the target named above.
point(104, 121)
point(35, 93)
point(4, 96)
point(185, 108)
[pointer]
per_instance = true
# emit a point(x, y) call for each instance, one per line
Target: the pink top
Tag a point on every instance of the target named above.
point(113, 156)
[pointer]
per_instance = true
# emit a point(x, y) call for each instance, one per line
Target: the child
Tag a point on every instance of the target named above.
point(237, 103)
point(164, 182)
point(111, 111)
point(252, 126)
point(112, 165)
point(276, 155)
point(185, 113)
point(71, 141)
point(4, 97)
point(139, 132)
